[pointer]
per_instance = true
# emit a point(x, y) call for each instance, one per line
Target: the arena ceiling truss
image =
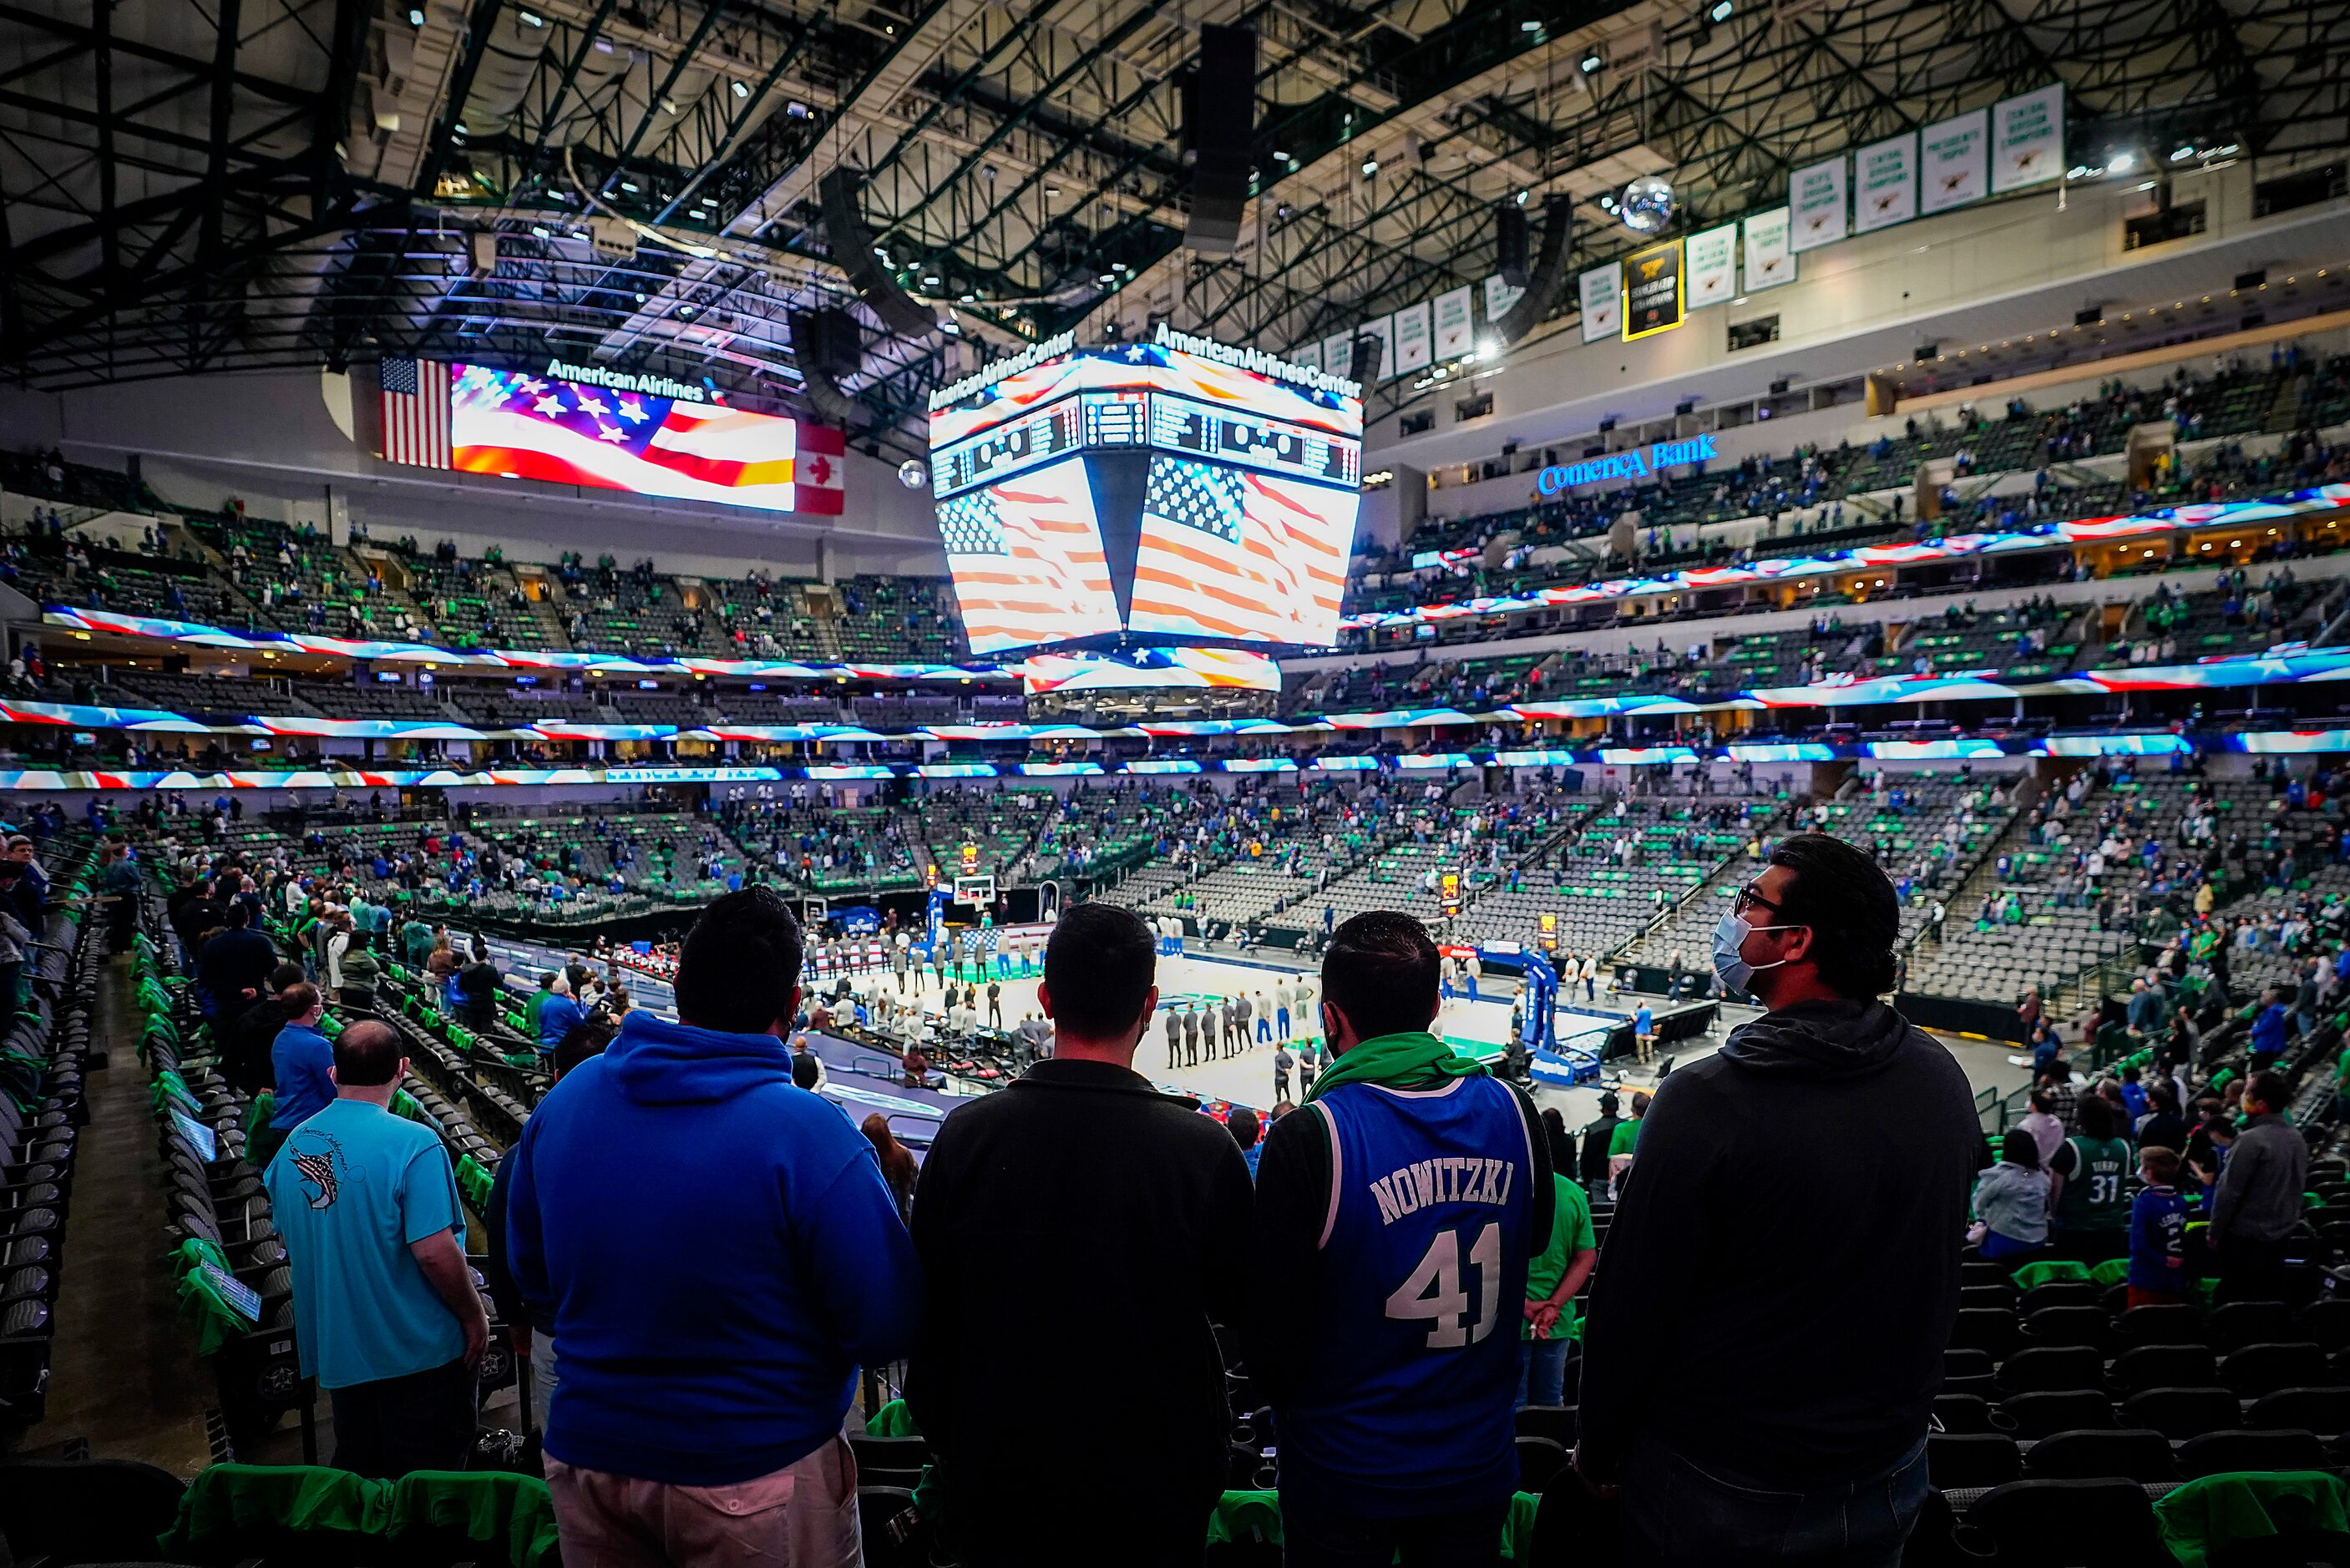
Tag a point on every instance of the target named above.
point(193, 185)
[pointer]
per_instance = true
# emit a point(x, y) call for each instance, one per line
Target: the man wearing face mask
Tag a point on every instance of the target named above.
point(1398, 1208)
point(1736, 1430)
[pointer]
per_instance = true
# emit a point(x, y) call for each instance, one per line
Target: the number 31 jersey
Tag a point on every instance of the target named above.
point(1407, 1407)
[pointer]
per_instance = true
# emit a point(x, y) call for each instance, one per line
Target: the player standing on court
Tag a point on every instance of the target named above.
point(1396, 1209)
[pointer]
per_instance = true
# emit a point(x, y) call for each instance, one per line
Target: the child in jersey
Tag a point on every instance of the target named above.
point(2157, 1253)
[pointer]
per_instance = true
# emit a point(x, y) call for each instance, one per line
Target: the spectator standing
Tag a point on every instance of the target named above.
point(1644, 1034)
point(231, 965)
point(2093, 1203)
point(360, 973)
point(2268, 1033)
point(533, 1339)
point(2259, 1197)
point(384, 1307)
point(479, 986)
point(1247, 1131)
point(1553, 1278)
point(559, 1014)
point(2157, 1247)
point(302, 1066)
point(1759, 1439)
point(2010, 1201)
point(1375, 1305)
point(1282, 1063)
point(1081, 1184)
point(707, 1367)
point(897, 1161)
point(530, 1008)
point(1598, 1139)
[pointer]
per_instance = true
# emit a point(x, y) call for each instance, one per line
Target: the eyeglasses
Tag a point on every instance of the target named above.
point(1748, 898)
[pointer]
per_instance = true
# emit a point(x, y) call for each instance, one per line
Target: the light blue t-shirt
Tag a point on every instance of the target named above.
point(353, 1187)
point(304, 1064)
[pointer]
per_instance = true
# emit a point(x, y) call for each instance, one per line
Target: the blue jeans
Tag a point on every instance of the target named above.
point(1314, 1537)
point(1675, 1514)
point(1542, 1371)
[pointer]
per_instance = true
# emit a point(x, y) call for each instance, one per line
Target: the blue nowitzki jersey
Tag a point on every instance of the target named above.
point(1407, 1407)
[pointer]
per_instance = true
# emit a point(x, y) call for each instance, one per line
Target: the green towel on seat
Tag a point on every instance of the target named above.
point(514, 1511)
point(892, 1420)
point(228, 1500)
point(2221, 1511)
point(2050, 1271)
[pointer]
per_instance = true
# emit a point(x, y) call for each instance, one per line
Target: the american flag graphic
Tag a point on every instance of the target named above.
point(415, 412)
point(1229, 553)
point(1027, 559)
point(530, 427)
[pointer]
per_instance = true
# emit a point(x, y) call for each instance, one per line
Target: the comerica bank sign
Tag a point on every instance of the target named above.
point(1635, 464)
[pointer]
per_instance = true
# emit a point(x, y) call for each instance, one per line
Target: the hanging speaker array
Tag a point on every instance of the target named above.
point(852, 252)
point(1220, 131)
point(1550, 272)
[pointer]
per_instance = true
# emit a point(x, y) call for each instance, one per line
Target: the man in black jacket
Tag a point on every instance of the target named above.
point(1766, 1331)
point(1595, 1139)
point(1081, 1230)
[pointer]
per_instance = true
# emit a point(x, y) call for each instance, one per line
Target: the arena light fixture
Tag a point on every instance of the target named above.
point(1591, 62)
point(2181, 154)
point(1720, 10)
point(1370, 167)
point(531, 19)
point(741, 89)
point(416, 15)
point(2121, 162)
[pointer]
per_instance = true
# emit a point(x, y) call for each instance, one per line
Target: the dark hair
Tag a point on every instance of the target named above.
point(2270, 1089)
point(738, 969)
point(236, 917)
point(1245, 1128)
point(299, 998)
point(2161, 1164)
point(286, 974)
point(368, 1055)
point(1381, 973)
point(1100, 966)
point(1844, 896)
point(897, 1161)
point(2096, 1115)
point(2020, 1147)
point(579, 1042)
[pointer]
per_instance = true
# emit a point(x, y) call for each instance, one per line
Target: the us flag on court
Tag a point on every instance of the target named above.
point(415, 412)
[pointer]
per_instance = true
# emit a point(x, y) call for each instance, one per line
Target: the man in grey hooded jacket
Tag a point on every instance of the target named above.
point(1767, 1321)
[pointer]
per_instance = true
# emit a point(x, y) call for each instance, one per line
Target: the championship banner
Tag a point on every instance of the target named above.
point(1769, 261)
point(2027, 138)
point(1712, 264)
point(1884, 184)
point(1954, 166)
point(1310, 356)
point(1602, 293)
point(1456, 323)
point(1652, 291)
point(1412, 348)
point(1338, 354)
point(1817, 196)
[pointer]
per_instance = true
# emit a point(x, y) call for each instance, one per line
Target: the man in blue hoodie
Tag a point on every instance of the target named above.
point(558, 1015)
point(717, 1253)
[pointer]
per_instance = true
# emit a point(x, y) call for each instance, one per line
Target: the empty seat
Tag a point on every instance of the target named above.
point(2172, 1325)
point(2180, 1414)
point(2106, 1523)
point(1555, 1422)
point(2325, 1411)
point(2221, 1453)
point(2056, 1294)
point(2259, 1369)
point(2051, 1366)
point(2163, 1366)
point(1540, 1459)
point(2240, 1323)
point(1966, 1372)
point(1991, 1329)
point(2048, 1411)
point(2140, 1453)
point(1962, 1413)
point(2087, 1325)
point(2326, 1323)
point(1962, 1459)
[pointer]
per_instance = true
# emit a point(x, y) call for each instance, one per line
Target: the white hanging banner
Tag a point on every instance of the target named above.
point(1384, 330)
point(2027, 138)
point(1499, 298)
point(1602, 293)
point(1411, 339)
point(1310, 356)
point(1954, 167)
point(1338, 354)
point(1713, 266)
point(1884, 184)
point(1769, 260)
point(1816, 195)
point(1456, 322)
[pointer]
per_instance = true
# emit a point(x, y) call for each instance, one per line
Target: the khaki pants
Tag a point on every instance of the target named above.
point(802, 1516)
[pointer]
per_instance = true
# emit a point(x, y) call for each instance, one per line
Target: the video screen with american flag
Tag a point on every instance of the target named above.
point(475, 420)
point(1221, 508)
